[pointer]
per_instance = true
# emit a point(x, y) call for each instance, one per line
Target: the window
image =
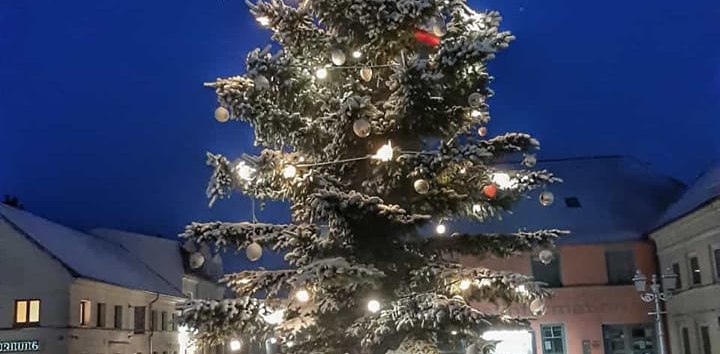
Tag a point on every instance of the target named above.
point(705, 336)
point(676, 271)
point(153, 321)
point(686, 341)
point(620, 265)
point(163, 321)
point(27, 312)
point(139, 327)
point(716, 257)
point(553, 339)
point(118, 316)
point(547, 273)
point(695, 275)
point(85, 312)
point(572, 202)
point(101, 315)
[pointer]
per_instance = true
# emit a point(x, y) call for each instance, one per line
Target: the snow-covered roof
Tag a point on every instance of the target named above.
point(619, 198)
point(89, 256)
point(706, 188)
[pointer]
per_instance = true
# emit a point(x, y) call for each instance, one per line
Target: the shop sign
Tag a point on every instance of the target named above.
point(15, 346)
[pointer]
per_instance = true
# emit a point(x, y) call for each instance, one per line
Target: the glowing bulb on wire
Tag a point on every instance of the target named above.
point(235, 345)
point(289, 171)
point(465, 284)
point(244, 171)
point(321, 73)
point(384, 153)
point(357, 54)
point(273, 340)
point(263, 20)
point(475, 113)
point(373, 306)
point(302, 295)
point(440, 229)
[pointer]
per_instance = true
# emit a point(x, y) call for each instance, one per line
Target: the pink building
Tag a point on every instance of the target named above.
point(608, 203)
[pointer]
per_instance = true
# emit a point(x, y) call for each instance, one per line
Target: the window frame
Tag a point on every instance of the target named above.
point(556, 260)
point(705, 346)
point(679, 280)
point(163, 321)
point(27, 322)
point(118, 317)
point(101, 315)
point(563, 336)
point(136, 329)
point(690, 258)
point(685, 343)
point(633, 267)
point(85, 312)
point(714, 248)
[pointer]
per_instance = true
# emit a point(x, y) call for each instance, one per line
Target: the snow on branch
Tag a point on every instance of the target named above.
point(499, 245)
point(242, 234)
point(214, 321)
point(353, 201)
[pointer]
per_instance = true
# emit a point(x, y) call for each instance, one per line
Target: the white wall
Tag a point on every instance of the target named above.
point(28, 272)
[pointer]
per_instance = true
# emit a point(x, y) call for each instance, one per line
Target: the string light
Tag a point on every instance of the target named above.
point(244, 171)
point(263, 20)
point(503, 180)
point(384, 153)
point(302, 295)
point(475, 113)
point(290, 344)
point(454, 333)
point(273, 340)
point(289, 171)
point(235, 345)
point(321, 73)
point(275, 317)
point(440, 229)
point(476, 208)
point(465, 284)
point(357, 54)
point(373, 306)
point(521, 289)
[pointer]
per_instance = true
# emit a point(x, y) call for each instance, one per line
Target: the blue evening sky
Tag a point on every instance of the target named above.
point(104, 120)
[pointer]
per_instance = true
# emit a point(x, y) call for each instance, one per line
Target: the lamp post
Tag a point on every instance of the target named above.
point(660, 290)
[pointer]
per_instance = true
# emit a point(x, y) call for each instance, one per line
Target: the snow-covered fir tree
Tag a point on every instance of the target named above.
point(373, 119)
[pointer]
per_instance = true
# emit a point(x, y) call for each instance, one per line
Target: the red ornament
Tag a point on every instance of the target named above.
point(427, 38)
point(490, 191)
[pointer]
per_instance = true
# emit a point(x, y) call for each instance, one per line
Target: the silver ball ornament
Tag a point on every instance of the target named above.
point(366, 73)
point(546, 198)
point(222, 114)
point(361, 128)
point(475, 99)
point(337, 56)
point(254, 251)
point(421, 186)
point(537, 307)
point(261, 82)
point(482, 131)
point(546, 256)
point(196, 260)
point(530, 161)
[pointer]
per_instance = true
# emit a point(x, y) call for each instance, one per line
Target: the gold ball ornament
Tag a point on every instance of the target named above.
point(222, 114)
point(482, 131)
point(421, 186)
point(546, 198)
point(261, 82)
point(366, 73)
point(475, 99)
point(361, 127)
point(254, 251)
point(337, 57)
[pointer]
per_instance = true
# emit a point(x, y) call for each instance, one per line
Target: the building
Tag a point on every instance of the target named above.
point(607, 203)
point(688, 243)
point(107, 292)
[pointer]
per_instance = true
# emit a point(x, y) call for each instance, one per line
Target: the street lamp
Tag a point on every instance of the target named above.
point(657, 292)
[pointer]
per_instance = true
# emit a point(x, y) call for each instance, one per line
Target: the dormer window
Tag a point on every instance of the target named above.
point(572, 202)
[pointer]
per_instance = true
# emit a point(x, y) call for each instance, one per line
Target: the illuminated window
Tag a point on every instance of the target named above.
point(27, 312)
point(85, 312)
point(695, 275)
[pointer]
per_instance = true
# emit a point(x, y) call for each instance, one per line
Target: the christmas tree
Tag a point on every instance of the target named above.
point(373, 121)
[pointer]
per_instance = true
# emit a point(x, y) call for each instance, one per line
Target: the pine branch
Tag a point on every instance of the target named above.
point(498, 245)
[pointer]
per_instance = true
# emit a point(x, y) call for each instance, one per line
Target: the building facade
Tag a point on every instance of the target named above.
point(63, 291)
point(688, 243)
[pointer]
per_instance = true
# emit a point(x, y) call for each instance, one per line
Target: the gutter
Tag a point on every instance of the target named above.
point(153, 323)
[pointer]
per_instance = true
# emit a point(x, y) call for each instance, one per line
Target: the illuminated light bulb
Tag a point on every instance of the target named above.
point(263, 20)
point(357, 54)
point(289, 171)
point(465, 284)
point(384, 153)
point(503, 180)
point(275, 317)
point(321, 73)
point(476, 208)
point(521, 289)
point(373, 306)
point(302, 295)
point(290, 344)
point(440, 229)
point(475, 113)
point(235, 345)
point(454, 333)
point(273, 340)
point(244, 171)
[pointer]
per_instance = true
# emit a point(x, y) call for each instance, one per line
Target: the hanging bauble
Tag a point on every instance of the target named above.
point(482, 131)
point(490, 190)
point(337, 56)
point(530, 160)
point(261, 82)
point(366, 73)
point(421, 186)
point(475, 99)
point(546, 256)
point(438, 26)
point(254, 251)
point(196, 260)
point(537, 307)
point(426, 38)
point(361, 127)
point(546, 198)
point(222, 114)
